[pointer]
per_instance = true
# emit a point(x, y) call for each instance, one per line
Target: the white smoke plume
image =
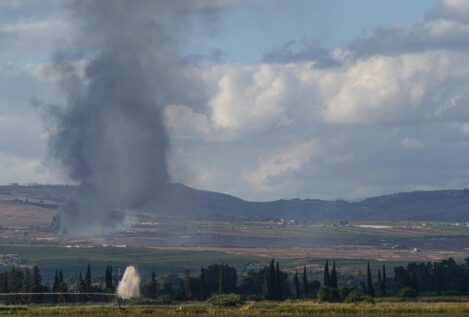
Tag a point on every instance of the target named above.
point(129, 286)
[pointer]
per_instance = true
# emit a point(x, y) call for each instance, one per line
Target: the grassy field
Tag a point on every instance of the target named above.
point(163, 261)
point(387, 308)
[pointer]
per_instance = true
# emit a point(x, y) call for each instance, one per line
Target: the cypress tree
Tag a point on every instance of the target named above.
point(278, 283)
point(36, 283)
point(55, 286)
point(203, 284)
point(297, 285)
point(380, 283)
point(220, 279)
point(27, 282)
point(327, 277)
point(81, 287)
point(187, 286)
point(384, 281)
point(111, 283)
point(333, 277)
point(271, 286)
point(369, 282)
point(108, 279)
point(88, 278)
point(305, 283)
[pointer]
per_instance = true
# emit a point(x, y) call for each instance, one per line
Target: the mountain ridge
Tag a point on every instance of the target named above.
point(179, 199)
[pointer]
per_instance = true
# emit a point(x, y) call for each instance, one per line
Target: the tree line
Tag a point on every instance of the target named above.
point(268, 283)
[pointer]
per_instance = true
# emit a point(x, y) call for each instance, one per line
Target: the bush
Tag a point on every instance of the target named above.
point(344, 292)
point(327, 294)
point(164, 300)
point(406, 292)
point(225, 300)
point(356, 296)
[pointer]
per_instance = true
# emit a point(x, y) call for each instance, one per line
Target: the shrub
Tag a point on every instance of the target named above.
point(406, 292)
point(164, 300)
point(356, 296)
point(344, 292)
point(225, 300)
point(327, 294)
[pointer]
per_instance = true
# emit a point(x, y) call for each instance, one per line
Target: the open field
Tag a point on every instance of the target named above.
point(421, 308)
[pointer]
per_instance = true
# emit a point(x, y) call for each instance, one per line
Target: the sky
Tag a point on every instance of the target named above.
point(312, 99)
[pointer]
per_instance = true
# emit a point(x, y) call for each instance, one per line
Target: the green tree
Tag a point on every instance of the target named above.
point(221, 277)
point(333, 277)
point(81, 286)
point(109, 287)
point(384, 281)
point(202, 284)
point(278, 282)
point(327, 276)
point(297, 285)
point(88, 282)
point(369, 282)
point(55, 286)
point(36, 284)
point(305, 283)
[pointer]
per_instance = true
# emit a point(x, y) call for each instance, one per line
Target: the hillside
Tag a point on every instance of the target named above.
point(177, 199)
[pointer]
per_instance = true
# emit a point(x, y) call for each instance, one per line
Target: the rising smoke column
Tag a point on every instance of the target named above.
point(109, 136)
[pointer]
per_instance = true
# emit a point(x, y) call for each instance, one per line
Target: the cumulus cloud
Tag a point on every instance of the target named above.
point(288, 159)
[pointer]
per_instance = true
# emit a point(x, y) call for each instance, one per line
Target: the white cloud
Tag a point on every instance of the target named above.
point(15, 169)
point(411, 143)
point(288, 159)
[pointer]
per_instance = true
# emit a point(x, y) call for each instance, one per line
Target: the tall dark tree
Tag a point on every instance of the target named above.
point(81, 286)
point(221, 287)
point(384, 281)
point(305, 283)
point(108, 279)
point(380, 283)
point(88, 282)
point(202, 284)
point(27, 281)
point(278, 282)
point(36, 284)
point(187, 293)
point(327, 276)
point(297, 285)
point(333, 277)
point(55, 286)
point(369, 282)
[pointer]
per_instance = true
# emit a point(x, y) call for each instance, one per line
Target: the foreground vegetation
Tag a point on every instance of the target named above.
point(414, 308)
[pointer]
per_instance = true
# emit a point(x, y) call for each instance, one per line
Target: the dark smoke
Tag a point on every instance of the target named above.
point(109, 136)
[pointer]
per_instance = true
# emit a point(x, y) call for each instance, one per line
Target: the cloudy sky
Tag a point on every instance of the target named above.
point(301, 98)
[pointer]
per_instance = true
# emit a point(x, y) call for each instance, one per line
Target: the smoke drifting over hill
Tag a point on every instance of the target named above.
point(110, 136)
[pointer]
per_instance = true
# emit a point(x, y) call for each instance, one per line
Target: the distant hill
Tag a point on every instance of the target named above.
point(177, 199)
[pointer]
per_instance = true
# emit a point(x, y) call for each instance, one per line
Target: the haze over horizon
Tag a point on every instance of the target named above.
point(339, 102)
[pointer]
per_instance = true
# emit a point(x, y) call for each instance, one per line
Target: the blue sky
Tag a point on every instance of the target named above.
point(248, 31)
point(319, 99)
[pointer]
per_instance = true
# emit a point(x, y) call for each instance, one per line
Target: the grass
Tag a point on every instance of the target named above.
point(250, 308)
point(74, 260)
